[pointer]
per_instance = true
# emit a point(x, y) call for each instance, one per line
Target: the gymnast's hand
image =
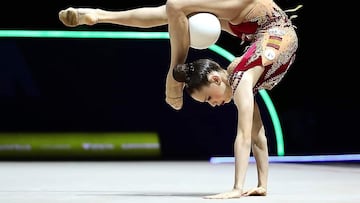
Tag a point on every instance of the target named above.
point(258, 191)
point(234, 193)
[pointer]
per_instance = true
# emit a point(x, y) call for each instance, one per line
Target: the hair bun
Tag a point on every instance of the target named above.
point(180, 72)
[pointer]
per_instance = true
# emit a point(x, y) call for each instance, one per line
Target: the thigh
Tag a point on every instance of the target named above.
point(224, 9)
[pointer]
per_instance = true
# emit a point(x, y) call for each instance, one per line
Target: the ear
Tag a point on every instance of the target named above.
point(215, 78)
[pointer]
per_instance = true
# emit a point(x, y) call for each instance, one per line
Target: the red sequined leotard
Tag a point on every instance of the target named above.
point(273, 44)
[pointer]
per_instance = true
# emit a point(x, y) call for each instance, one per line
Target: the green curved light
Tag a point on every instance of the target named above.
point(145, 35)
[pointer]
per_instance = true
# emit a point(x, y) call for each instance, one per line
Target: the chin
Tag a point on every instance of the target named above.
point(228, 101)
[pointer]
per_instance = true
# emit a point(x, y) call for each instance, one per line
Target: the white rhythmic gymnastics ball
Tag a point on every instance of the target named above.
point(204, 30)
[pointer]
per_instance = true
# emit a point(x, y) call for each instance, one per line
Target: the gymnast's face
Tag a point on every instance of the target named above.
point(217, 93)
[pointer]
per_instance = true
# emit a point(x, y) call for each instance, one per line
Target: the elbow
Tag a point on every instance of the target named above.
point(243, 140)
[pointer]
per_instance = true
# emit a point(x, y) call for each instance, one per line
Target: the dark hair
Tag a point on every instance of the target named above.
point(194, 74)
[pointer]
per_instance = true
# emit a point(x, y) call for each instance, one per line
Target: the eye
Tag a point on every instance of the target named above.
point(209, 98)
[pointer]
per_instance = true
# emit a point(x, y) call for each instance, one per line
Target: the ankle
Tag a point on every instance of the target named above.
point(174, 98)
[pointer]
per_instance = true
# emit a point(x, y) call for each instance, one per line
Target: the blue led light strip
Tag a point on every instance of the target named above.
point(289, 159)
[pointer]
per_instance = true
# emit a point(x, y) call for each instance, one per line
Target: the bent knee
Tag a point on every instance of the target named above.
point(173, 7)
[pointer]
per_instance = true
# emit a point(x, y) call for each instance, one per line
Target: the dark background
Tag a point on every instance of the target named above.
point(102, 85)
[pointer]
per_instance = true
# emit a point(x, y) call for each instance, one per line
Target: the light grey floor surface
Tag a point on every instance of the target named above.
point(171, 182)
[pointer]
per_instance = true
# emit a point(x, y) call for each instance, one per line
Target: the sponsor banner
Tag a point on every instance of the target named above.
point(79, 145)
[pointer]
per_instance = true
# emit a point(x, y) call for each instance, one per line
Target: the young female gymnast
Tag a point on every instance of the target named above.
point(272, 46)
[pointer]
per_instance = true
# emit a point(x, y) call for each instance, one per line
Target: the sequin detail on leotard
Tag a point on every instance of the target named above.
point(274, 43)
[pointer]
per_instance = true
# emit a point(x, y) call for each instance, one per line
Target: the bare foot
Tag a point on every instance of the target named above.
point(174, 93)
point(72, 17)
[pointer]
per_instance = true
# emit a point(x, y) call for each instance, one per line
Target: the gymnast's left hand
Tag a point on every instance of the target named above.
point(257, 191)
point(234, 193)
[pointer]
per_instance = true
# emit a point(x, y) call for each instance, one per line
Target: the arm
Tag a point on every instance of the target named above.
point(244, 101)
point(260, 152)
